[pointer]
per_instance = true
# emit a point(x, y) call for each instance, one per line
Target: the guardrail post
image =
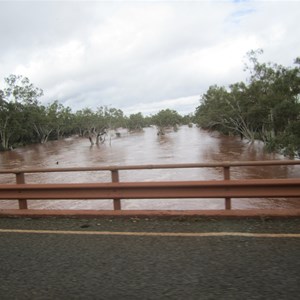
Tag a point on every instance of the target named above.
point(227, 177)
point(20, 179)
point(115, 178)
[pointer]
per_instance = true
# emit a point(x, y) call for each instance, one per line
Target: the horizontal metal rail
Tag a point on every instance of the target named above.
point(116, 190)
point(156, 190)
point(157, 166)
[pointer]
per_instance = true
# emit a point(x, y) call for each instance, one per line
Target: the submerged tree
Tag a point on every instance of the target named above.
point(265, 108)
point(166, 118)
point(24, 120)
point(135, 122)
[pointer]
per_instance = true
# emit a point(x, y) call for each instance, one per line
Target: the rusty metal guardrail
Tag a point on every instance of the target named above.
point(116, 190)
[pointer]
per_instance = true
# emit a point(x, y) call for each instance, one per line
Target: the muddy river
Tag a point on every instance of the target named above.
point(187, 145)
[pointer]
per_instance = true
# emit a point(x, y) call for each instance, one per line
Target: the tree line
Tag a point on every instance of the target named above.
point(266, 107)
point(24, 120)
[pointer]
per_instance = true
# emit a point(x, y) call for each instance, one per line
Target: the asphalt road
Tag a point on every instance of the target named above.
point(79, 266)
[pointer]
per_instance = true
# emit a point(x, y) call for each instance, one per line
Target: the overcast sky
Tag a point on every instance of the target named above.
point(141, 55)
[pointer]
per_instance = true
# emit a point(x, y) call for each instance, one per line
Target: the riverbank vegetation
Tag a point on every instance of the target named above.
point(266, 107)
point(24, 120)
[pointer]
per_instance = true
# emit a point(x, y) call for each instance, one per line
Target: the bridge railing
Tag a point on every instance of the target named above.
point(116, 190)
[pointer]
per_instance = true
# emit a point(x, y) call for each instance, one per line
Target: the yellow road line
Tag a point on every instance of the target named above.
point(162, 234)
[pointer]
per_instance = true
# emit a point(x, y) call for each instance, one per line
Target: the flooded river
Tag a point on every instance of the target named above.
point(187, 145)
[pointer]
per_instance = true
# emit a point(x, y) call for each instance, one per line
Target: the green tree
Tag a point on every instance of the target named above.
point(60, 118)
point(42, 123)
point(114, 118)
point(84, 121)
point(188, 119)
point(166, 118)
point(214, 110)
point(265, 108)
point(19, 89)
point(17, 97)
point(276, 89)
point(136, 122)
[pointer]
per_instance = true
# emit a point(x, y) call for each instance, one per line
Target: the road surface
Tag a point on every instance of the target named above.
point(192, 258)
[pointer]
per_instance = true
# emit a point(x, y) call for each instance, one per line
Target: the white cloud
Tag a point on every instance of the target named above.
point(140, 54)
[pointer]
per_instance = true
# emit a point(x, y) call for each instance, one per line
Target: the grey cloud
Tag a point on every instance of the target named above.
point(134, 54)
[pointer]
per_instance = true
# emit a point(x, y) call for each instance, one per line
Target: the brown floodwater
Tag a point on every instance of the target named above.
point(187, 145)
